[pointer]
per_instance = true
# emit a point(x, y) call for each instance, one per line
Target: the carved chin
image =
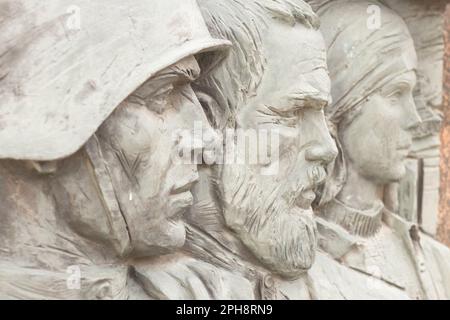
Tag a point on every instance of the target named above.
point(164, 238)
point(398, 172)
point(174, 235)
point(392, 171)
point(286, 245)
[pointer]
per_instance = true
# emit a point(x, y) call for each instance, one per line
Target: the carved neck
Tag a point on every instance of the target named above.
point(364, 223)
point(358, 207)
point(360, 192)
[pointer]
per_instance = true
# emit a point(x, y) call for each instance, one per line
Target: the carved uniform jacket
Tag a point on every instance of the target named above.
point(405, 260)
point(43, 254)
point(208, 270)
point(217, 274)
point(57, 242)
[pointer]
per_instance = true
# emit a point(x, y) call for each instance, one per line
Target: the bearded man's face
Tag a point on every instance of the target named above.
point(268, 204)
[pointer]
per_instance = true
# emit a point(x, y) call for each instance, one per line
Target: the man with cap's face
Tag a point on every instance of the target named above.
point(101, 130)
point(140, 141)
point(144, 179)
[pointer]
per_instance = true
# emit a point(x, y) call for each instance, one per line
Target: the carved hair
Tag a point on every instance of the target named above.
point(243, 22)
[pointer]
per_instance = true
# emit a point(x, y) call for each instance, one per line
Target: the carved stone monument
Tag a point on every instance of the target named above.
point(88, 183)
point(248, 219)
point(220, 149)
point(375, 118)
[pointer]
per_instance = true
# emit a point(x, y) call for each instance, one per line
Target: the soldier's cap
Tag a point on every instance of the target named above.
point(66, 65)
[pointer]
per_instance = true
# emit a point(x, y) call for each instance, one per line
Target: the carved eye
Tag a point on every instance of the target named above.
point(163, 93)
point(395, 96)
point(160, 101)
point(397, 93)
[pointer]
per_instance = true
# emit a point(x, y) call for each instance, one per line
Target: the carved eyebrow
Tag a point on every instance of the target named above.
point(308, 100)
point(288, 109)
point(401, 83)
point(409, 81)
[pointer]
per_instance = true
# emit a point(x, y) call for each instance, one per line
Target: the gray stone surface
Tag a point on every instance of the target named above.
point(232, 149)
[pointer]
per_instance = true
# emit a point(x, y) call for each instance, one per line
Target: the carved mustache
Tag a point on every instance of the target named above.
point(316, 176)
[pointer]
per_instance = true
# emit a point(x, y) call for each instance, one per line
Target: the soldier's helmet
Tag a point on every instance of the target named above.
point(66, 65)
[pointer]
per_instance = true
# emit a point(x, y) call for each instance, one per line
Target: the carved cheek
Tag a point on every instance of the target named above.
point(360, 137)
point(141, 131)
point(373, 136)
point(187, 110)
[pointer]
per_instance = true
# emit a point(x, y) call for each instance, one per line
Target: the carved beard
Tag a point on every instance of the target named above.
point(280, 234)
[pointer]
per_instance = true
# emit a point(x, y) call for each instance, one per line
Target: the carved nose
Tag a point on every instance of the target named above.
point(412, 118)
point(193, 144)
point(325, 153)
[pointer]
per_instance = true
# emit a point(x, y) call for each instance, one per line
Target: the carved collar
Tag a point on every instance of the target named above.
point(364, 223)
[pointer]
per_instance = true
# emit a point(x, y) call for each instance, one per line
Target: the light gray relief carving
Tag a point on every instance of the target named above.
point(232, 149)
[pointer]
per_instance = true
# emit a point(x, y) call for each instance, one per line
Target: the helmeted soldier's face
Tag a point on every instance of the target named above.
point(139, 141)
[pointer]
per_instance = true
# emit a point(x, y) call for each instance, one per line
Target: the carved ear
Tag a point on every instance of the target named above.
point(44, 167)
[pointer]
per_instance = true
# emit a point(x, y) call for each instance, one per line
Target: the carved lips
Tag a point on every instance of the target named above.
point(181, 197)
point(316, 176)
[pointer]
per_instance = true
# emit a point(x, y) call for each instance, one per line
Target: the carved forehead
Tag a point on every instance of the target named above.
point(362, 59)
point(255, 52)
point(245, 22)
point(297, 46)
point(347, 33)
point(295, 61)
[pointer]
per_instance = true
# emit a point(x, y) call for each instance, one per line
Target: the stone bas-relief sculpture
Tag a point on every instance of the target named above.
point(224, 233)
point(94, 205)
point(373, 117)
point(93, 211)
point(418, 192)
point(258, 227)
